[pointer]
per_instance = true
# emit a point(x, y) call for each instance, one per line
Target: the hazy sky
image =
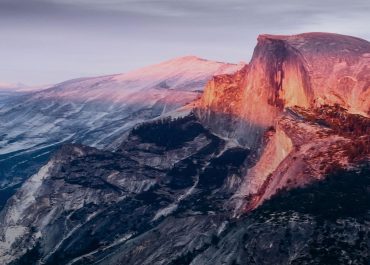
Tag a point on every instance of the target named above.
point(48, 41)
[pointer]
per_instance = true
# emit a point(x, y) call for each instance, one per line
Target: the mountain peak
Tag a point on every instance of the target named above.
point(190, 59)
point(308, 36)
point(306, 70)
point(194, 69)
point(321, 44)
point(187, 58)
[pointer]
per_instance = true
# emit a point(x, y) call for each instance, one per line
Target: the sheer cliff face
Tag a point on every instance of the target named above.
point(310, 71)
point(221, 105)
point(307, 70)
point(335, 67)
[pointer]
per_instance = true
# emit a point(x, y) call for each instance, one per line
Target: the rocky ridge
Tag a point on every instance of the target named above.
point(96, 111)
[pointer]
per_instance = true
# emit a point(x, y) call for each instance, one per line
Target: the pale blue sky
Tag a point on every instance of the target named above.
point(48, 41)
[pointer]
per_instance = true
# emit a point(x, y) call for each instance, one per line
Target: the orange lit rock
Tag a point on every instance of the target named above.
point(312, 71)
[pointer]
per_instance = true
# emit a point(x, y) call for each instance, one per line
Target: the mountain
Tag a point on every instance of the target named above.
point(97, 111)
point(306, 70)
point(271, 166)
point(320, 76)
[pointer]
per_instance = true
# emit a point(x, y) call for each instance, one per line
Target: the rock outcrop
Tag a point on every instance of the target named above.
point(306, 70)
point(260, 105)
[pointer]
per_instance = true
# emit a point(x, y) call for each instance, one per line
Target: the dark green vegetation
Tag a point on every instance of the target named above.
point(30, 256)
point(342, 194)
point(333, 215)
point(353, 126)
point(220, 167)
point(341, 121)
point(169, 133)
point(326, 223)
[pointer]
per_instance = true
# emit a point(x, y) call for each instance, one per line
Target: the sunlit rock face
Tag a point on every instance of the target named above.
point(306, 146)
point(254, 106)
point(314, 69)
point(323, 68)
point(306, 70)
point(222, 103)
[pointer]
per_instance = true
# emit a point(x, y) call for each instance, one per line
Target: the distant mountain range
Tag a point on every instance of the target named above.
point(97, 111)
